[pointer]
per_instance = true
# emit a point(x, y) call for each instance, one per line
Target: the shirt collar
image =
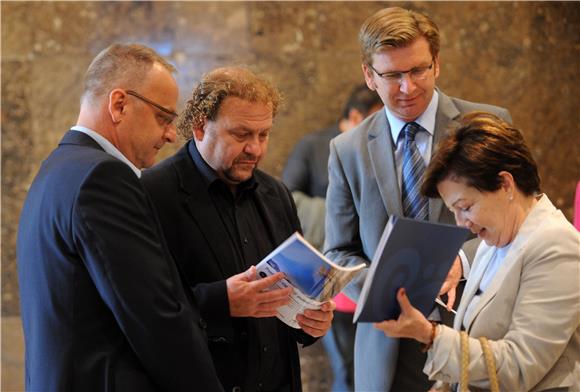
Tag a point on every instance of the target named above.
point(107, 146)
point(426, 119)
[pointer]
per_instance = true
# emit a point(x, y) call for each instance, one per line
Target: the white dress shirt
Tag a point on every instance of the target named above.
point(107, 146)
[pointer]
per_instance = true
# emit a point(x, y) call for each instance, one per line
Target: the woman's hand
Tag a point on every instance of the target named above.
point(410, 324)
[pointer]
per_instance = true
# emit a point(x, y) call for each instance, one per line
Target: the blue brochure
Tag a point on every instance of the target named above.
point(315, 279)
point(416, 255)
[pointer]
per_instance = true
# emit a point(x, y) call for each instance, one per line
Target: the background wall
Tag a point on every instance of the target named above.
point(523, 56)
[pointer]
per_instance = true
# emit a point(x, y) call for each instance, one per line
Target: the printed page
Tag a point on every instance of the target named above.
point(314, 278)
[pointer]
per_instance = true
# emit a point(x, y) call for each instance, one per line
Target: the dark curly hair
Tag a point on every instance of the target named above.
point(219, 84)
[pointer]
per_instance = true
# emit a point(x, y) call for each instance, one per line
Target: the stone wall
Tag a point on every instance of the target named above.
point(523, 56)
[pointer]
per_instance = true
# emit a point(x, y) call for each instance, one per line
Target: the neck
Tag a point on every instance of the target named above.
point(95, 118)
point(523, 205)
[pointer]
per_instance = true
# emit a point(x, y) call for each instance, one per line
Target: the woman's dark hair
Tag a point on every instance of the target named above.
point(476, 151)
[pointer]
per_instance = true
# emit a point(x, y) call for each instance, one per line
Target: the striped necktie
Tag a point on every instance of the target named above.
point(414, 205)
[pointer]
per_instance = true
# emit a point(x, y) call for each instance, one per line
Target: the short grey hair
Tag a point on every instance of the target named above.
point(120, 66)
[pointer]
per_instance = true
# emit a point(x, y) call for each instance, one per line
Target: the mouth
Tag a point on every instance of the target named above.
point(246, 163)
point(408, 100)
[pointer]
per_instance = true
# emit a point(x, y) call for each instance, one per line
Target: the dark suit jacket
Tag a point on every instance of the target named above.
point(199, 243)
point(103, 306)
point(307, 168)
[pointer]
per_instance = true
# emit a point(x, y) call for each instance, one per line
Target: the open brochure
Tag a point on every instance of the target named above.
point(315, 278)
point(413, 254)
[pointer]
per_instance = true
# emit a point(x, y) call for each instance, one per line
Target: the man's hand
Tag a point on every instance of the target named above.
point(248, 298)
point(317, 322)
point(451, 282)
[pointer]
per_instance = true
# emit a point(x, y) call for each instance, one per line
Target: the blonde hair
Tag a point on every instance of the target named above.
point(219, 84)
point(395, 27)
point(120, 66)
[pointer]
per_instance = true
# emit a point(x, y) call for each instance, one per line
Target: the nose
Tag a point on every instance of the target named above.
point(406, 84)
point(253, 147)
point(170, 134)
point(462, 221)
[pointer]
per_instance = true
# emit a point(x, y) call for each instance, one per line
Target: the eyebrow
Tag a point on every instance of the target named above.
point(245, 129)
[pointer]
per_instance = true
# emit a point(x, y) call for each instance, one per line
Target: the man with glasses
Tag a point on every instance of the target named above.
point(103, 306)
point(375, 171)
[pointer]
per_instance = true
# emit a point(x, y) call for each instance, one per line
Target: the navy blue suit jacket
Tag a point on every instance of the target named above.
point(103, 305)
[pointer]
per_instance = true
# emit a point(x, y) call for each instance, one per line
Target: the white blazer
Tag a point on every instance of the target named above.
point(530, 312)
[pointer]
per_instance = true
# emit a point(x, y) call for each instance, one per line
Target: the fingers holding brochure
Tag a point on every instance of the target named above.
point(316, 322)
point(247, 296)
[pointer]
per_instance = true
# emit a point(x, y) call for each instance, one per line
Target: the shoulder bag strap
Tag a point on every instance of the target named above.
point(463, 381)
point(490, 363)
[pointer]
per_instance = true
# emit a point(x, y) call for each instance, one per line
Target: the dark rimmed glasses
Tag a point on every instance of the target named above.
point(396, 77)
point(169, 119)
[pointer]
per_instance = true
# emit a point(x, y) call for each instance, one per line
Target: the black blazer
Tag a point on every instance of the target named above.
point(197, 240)
point(103, 306)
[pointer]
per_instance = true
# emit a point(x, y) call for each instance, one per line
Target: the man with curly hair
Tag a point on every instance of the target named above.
point(221, 216)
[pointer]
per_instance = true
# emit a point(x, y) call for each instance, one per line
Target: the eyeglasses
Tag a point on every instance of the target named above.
point(417, 73)
point(171, 113)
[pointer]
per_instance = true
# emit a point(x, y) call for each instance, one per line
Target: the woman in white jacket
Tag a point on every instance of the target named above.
point(523, 290)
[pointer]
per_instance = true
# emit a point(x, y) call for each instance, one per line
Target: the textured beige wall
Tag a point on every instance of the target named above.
point(523, 56)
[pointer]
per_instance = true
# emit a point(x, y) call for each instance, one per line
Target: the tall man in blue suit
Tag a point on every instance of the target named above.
point(400, 60)
point(103, 305)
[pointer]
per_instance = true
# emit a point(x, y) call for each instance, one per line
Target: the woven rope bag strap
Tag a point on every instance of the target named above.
point(490, 363)
point(463, 381)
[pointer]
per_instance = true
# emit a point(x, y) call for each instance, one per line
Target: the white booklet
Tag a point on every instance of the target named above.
point(315, 278)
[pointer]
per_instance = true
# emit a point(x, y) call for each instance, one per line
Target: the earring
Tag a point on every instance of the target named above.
point(511, 197)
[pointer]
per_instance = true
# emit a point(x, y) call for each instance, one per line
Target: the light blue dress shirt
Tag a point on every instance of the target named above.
point(424, 140)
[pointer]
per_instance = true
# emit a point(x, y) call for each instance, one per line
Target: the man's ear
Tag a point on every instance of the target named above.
point(117, 103)
point(368, 74)
point(436, 65)
point(199, 131)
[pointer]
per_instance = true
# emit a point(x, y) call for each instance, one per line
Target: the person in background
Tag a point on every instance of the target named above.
point(522, 292)
point(103, 306)
point(221, 216)
point(306, 176)
point(376, 169)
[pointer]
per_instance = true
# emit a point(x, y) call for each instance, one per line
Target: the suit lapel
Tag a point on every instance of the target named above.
point(533, 221)
point(382, 159)
point(197, 202)
point(445, 118)
point(484, 256)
